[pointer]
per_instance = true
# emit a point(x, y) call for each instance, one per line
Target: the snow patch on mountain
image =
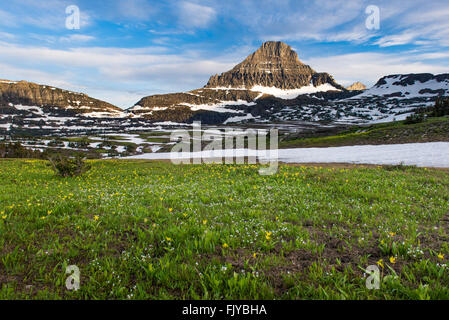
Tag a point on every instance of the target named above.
point(293, 93)
point(219, 107)
point(248, 116)
point(404, 86)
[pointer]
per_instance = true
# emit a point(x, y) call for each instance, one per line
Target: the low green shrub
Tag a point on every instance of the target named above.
point(69, 166)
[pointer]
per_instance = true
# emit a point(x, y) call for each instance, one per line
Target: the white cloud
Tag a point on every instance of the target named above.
point(7, 19)
point(7, 35)
point(396, 40)
point(192, 15)
point(49, 14)
point(77, 38)
point(135, 9)
point(320, 20)
point(414, 23)
point(38, 76)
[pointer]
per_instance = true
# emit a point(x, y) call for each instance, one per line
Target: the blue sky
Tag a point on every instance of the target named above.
point(125, 50)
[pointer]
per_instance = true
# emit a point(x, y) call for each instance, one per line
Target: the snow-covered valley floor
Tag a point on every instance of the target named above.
point(432, 154)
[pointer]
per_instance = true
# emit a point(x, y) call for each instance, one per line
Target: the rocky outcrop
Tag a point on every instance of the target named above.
point(274, 64)
point(32, 94)
point(356, 86)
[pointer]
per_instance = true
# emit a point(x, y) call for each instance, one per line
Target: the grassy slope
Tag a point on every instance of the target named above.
point(155, 230)
point(434, 129)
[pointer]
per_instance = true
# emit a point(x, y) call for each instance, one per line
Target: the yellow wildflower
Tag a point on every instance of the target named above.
point(96, 218)
point(393, 260)
point(441, 256)
point(268, 235)
point(225, 245)
point(204, 221)
point(380, 263)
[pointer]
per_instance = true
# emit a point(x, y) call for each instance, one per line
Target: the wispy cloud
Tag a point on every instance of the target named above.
point(192, 15)
point(77, 38)
point(415, 23)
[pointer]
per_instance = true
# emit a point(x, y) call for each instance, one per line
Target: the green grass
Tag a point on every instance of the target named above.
point(157, 139)
point(434, 129)
point(153, 230)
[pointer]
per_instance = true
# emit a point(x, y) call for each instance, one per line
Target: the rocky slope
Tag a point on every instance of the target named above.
point(27, 107)
point(31, 94)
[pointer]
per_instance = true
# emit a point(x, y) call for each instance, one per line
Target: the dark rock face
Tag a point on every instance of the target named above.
point(274, 64)
point(32, 94)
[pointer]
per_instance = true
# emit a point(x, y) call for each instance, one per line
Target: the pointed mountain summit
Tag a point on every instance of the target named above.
point(274, 64)
point(356, 86)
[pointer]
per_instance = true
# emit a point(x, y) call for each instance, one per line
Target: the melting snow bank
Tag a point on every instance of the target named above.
point(431, 154)
point(294, 93)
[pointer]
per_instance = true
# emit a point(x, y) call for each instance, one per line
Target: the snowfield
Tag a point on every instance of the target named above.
point(294, 93)
point(219, 107)
point(409, 91)
point(432, 154)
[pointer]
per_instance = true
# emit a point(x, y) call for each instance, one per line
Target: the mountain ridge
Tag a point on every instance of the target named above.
point(269, 85)
point(33, 94)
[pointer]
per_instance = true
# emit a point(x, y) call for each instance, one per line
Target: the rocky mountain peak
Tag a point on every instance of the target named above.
point(356, 86)
point(271, 54)
point(274, 64)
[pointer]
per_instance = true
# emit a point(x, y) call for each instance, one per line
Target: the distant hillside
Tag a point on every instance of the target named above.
point(32, 94)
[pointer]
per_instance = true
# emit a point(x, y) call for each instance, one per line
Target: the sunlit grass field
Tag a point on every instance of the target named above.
point(153, 230)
